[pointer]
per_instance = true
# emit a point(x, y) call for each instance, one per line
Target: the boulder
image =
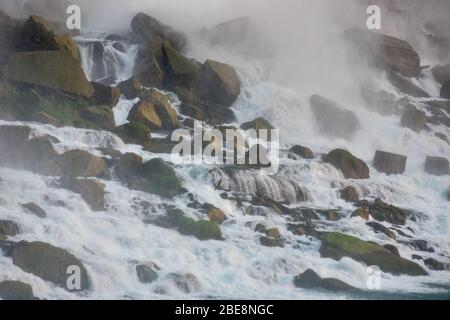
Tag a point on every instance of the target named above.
point(445, 90)
point(202, 230)
point(362, 213)
point(414, 119)
point(349, 194)
point(441, 73)
point(218, 83)
point(145, 112)
point(185, 282)
point(379, 228)
point(302, 152)
point(33, 208)
point(11, 137)
point(177, 65)
point(406, 86)
point(48, 263)
point(433, 264)
point(273, 233)
point(337, 245)
point(271, 242)
point(382, 212)
point(386, 52)
point(389, 163)
point(130, 88)
point(93, 192)
point(149, 72)
point(258, 124)
point(134, 133)
point(16, 290)
point(332, 120)
point(163, 107)
point(437, 166)
point(105, 95)
point(214, 214)
point(8, 229)
point(311, 280)
point(101, 116)
point(351, 166)
point(193, 111)
point(129, 165)
point(57, 70)
point(392, 249)
point(147, 273)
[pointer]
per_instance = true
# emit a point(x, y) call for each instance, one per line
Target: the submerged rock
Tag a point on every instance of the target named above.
point(185, 282)
point(351, 166)
point(16, 290)
point(302, 152)
point(389, 163)
point(337, 245)
point(8, 228)
point(437, 166)
point(311, 280)
point(147, 273)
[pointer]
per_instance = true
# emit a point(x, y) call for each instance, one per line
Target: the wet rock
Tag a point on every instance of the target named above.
point(445, 90)
point(406, 86)
point(382, 102)
point(272, 242)
point(193, 111)
point(379, 228)
point(8, 229)
point(16, 290)
point(332, 120)
point(433, 264)
point(119, 47)
point(349, 194)
point(273, 233)
point(351, 166)
point(414, 119)
point(130, 88)
point(102, 116)
point(302, 152)
point(202, 230)
point(36, 34)
point(389, 163)
point(392, 249)
point(163, 108)
point(441, 73)
point(218, 83)
point(129, 165)
point(421, 245)
point(12, 136)
point(179, 68)
point(33, 152)
point(93, 192)
point(33, 208)
point(144, 112)
point(362, 213)
point(258, 124)
point(105, 95)
point(337, 245)
point(311, 280)
point(147, 273)
point(149, 72)
point(382, 212)
point(134, 133)
point(437, 166)
point(214, 214)
point(49, 263)
point(186, 283)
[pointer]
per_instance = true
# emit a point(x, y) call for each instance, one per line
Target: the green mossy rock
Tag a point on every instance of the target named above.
point(202, 230)
point(134, 133)
point(337, 245)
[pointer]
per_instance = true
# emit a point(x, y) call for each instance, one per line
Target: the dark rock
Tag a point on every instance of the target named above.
point(129, 165)
point(163, 108)
point(93, 192)
point(336, 246)
point(102, 116)
point(445, 90)
point(134, 133)
point(34, 209)
point(351, 166)
point(144, 112)
point(302, 152)
point(48, 263)
point(105, 95)
point(389, 163)
point(433, 264)
point(130, 88)
point(193, 111)
point(45, 118)
point(119, 47)
point(271, 242)
point(214, 214)
point(36, 34)
point(8, 228)
point(311, 280)
point(392, 249)
point(16, 290)
point(382, 211)
point(441, 73)
point(406, 86)
point(437, 166)
point(178, 67)
point(186, 283)
point(414, 119)
point(421, 245)
point(378, 227)
point(149, 72)
point(257, 124)
point(230, 32)
point(33, 152)
point(147, 273)
point(12, 136)
point(349, 194)
point(202, 230)
point(332, 120)
point(362, 213)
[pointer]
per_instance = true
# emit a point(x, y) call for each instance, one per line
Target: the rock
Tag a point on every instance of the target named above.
point(93, 192)
point(7, 26)
point(33, 208)
point(186, 283)
point(362, 213)
point(49, 263)
point(271, 242)
point(147, 273)
point(261, 228)
point(230, 32)
point(193, 111)
point(382, 102)
point(12, 136)
point(163, 108)
point(332, 120)
point(218, 115)
point(421, 245)
point(378, 227)
point(311, 280)
point(8, 228)
point(437, 166)
point(134, 133)
point(35, 151)
point(214, 214)
point(441, 73)
point(144, 112)
point(433, 264)
point(302, 152)
point(36, 34)
point(386, 52)
point(119, 47)
point(445, 90)
point(56, 70)
point(45, 118)
point(202, 230)
point(147, 28)
point(129, 165)
point(273, 233)
point(102, 116)
point(105, 95)
point(337, 245)
point(16, 290)
point(392, 249)
point(149, 72)
point(414, 119)
point(177, 64)
point(406, 86)
point(218, 83)
point(130, 88)
point(75, 163)
point(351, 166)
point(258, 124)
point(382, 212)
point(389, 163)
point(350, 194)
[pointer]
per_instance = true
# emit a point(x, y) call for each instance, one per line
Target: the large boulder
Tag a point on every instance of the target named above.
point(49, 263)
point(36, 34)
point(129, 165)
point(445, 90)
point(437, 166)
point(134, 133)
point(332, 120)
point(16, 290)
point(93, 192)
point(218, 83)
point(145, 112)
point(387, 52)
point(105, 95)
point(351, 166)
point(311, 280)
point(57, 70)
point(337, 246)
point(102, 116)
point(163, 108)
point(8, 229)
point(441, 73)
point(389, 163)
point(177, 65)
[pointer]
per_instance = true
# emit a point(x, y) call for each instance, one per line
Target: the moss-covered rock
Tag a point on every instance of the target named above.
point(202, 230)
point(337, 245)
point(134, 133)
point(351, 166)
